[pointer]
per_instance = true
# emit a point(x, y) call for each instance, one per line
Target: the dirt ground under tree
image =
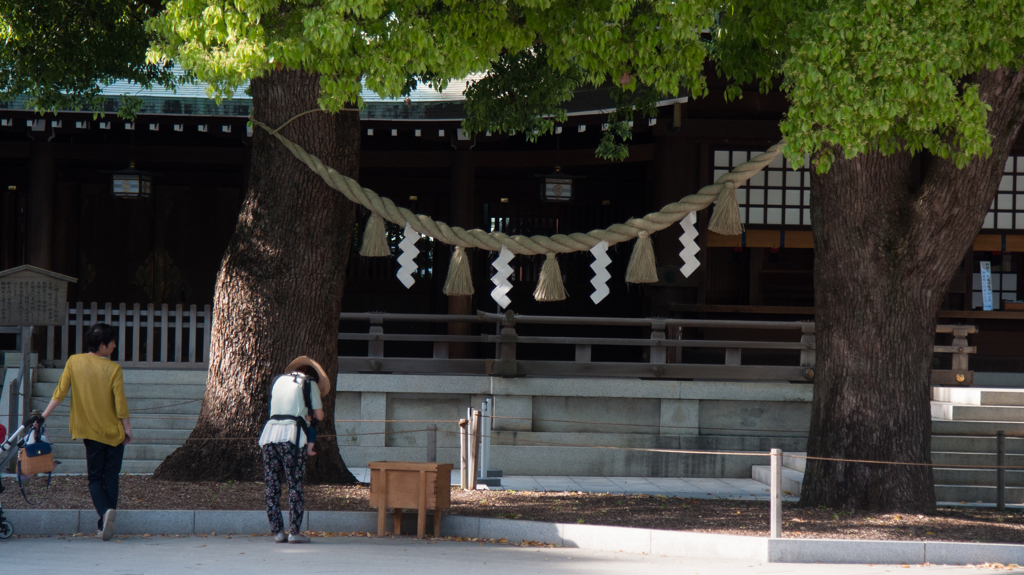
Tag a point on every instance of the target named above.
point(964, 524)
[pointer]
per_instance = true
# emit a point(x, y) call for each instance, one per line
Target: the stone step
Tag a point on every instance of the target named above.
point(976, 428)
point(142, 451)
point(974, 459)
point(183, 421)
point(979, 396)
point(985, 477)
point(956, 412)
point(179, 392)
point(162, 377)
point(795, 461)
point(974, 444)
point(976, 494)
point(791, 478)
point(136, 407)
point(77, 466)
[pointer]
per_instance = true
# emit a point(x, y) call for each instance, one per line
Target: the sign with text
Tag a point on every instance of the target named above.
point(986, 286)
point(30, 296)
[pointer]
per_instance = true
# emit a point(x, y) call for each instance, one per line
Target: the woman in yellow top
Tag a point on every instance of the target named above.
point(99, 417)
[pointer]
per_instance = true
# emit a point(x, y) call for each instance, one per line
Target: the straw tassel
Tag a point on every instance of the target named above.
point(642, 269)
point(460, 280)
point(375, 240)
point(550, 287)
point(726, 218)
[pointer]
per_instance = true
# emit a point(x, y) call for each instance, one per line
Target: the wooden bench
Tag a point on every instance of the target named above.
point(402, 485)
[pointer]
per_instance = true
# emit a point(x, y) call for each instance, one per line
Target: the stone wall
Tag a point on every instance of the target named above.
point(565, 426)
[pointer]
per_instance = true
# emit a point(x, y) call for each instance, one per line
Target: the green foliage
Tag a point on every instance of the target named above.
point(534, 53)
point(871, 74)
point(59, 53)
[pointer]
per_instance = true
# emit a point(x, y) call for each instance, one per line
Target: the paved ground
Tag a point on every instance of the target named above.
point(258, 555)
point(693, 488)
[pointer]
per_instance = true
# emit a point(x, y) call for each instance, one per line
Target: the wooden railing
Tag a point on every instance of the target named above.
point(665, 336)
point(657, 348)
point(147, 336)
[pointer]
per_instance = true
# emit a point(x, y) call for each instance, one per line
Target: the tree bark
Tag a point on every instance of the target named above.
point(889, 233)
point(278, 292)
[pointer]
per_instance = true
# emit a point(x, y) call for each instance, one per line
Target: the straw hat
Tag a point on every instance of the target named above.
point(322, 382)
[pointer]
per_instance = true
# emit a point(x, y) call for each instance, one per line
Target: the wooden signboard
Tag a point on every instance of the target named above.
point(30, 296)
point(406, 485)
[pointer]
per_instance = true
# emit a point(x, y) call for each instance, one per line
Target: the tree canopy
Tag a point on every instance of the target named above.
point(873, 75)
point(61, 53)
point(534, 52)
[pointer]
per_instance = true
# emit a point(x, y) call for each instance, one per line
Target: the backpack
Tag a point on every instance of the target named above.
point(301, 425)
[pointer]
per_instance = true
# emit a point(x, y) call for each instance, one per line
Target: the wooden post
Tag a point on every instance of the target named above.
point(375, 348)
point(192, 333)
point(463, 456)
point(776, 494)
point(807, 356)
point(136, 331)
point(65, 334)
point(1000, 471)
point(431, 443)
point(163, 332)
point(382, 511)
point(79, 320)
point(658, 334)
point(421, 512)
point(733, 356)
point(959, 342)
point(149, 332)
point(177, 332)
point(122, 326)
point(474, 448)
point(583, 353)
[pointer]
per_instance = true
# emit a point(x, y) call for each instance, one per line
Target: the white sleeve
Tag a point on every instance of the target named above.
point(314, 397)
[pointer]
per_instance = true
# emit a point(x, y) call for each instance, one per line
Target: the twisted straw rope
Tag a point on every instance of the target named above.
point(527, 245)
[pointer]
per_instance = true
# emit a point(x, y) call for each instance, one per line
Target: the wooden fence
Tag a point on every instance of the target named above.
point(149, 336)
point(179, 337)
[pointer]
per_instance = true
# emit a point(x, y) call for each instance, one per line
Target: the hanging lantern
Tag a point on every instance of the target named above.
point(131, 183)
point(557, 187)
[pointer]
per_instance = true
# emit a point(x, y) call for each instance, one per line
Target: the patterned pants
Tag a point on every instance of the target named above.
point(278, 457)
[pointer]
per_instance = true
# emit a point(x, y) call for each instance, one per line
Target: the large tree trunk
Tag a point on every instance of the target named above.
point(279, 288)
point(889, 233)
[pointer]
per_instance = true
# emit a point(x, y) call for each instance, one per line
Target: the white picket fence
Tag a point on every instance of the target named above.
point(147, 336)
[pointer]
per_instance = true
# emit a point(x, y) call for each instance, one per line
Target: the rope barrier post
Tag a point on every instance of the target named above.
point(776, 494)
point(431, 443)
point(463, 456)
point(1000, 471)
point(474, 448)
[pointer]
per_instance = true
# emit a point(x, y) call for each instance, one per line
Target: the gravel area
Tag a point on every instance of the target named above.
point(966, 524)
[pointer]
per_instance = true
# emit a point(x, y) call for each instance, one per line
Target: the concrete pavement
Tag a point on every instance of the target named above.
point(241, 555)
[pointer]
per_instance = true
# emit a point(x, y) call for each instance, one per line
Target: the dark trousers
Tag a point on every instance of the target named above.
point(104, 464)
point(284, 458)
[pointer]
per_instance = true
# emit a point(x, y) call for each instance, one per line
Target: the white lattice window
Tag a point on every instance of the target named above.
point(775, 196)
point(1007, 210)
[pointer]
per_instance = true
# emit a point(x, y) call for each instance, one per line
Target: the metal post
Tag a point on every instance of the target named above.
point(463, 456)
point(431, 443)
point(26, 373)
point(776, 494)
point(1001, 471)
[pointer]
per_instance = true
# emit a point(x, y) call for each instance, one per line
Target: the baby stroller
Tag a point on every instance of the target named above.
point(9, 450)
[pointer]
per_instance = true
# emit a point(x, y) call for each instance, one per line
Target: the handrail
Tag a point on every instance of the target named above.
point(162, 336)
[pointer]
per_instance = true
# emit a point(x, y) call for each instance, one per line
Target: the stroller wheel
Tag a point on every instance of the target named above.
point(6, 530)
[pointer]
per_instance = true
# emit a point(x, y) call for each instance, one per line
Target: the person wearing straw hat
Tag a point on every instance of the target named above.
point(288, 438)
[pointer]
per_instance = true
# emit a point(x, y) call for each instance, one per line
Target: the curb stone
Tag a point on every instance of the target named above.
point(596, 537)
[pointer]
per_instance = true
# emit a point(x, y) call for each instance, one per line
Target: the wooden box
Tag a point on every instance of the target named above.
point(406, 485)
